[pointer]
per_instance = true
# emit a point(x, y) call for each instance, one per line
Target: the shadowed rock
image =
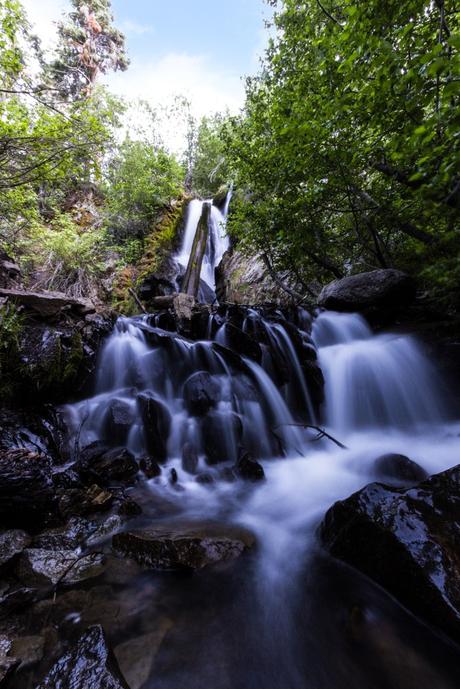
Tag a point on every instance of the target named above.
point(406, 540)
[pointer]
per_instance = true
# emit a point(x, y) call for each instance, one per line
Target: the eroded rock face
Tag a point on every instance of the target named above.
point(377, 290)
point(90, 664)
point(183, 546)
point(406, 540)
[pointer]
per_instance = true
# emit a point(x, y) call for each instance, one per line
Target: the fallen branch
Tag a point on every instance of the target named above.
point(137, 300)
point(321, 433)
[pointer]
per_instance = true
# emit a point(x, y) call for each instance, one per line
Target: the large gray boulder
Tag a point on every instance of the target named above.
point(385, 289)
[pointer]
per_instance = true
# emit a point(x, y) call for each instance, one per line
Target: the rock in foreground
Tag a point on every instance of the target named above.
point(189, 546)
point(406, 540)
point(385, 289)
point(89, 665)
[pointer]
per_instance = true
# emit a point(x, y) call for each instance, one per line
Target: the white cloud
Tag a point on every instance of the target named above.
point(208, 88)
point(131, 28)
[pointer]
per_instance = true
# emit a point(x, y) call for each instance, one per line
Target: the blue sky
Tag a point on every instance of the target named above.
point(197, 48)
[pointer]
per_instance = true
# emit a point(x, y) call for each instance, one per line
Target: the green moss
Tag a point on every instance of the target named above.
point(11, 323)
point(161, 242)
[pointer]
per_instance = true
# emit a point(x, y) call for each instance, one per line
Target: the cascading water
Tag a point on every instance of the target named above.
point(381, 396)
point(217, 242)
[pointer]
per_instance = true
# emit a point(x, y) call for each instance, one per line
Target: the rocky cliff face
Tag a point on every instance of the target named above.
point(246, 280)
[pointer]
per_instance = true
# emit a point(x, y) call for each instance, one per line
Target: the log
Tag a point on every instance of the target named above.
point(191, 281)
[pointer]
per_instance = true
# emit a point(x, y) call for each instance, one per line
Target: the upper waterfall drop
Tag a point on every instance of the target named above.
point(217, 241)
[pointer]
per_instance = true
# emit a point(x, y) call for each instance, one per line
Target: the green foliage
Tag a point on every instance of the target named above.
point(348, 152)
point(141, 179)
point(70, 256)
point(209, 168)
point(11, 321)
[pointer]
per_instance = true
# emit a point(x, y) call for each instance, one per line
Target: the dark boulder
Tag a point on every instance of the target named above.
point(118, 420)
point(26, 488)
point(248, 469)
point(399, 469)
point(102, 466)
point(377, 290)
point(183, 545)
point(156, 419)
point(84, 501)
point(201, 393)
point(47, 304)
point(90, 664)
point(242, 343)
point(408, 540)
point(221, 434)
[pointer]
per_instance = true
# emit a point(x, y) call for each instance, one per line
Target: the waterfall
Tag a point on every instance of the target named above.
point(374, 381)
point(194, 406)
point(217, 243)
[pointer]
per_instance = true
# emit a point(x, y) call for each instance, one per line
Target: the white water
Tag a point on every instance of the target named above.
point(217, 243)
point(382, 396)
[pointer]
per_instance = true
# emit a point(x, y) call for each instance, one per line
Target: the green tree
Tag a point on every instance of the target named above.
point(140, 180)
point(209, 167)
point(348, 151)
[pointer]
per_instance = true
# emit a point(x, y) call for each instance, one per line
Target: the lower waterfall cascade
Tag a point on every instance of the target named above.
point(215, 398)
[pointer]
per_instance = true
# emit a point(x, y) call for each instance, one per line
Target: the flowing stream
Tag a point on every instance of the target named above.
point(281, 621)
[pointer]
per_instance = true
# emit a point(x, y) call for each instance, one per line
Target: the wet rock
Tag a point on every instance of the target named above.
point(118, 421)
point(201, 393)
point(242, 343)
point(173, 477)
point(47, 304)
point(247, 468)
point(183, 546)
point(12, 543)
point(206, 478)
point(189, 458)
point(26, 488)
point(150, 467)
point(136, 656)
point(21, 652)
point(366, 292)
point(90, 664)
point(14, 599)
point(39, 567)
point(107, 466)
point(156, 418)
point(399, 469)
point(408, 541)
point(221, 434)
point(81, 502)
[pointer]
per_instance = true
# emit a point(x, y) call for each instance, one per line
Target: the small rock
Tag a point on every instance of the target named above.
point(12, 543)
point(150, 467)
point(107, 466)
point(398, 469)
point(136, 656)
point(117, 422)
point(247, 468)
point(183, 546)
point(39, 567)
